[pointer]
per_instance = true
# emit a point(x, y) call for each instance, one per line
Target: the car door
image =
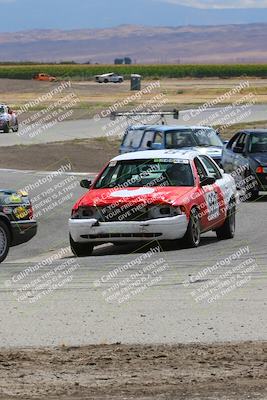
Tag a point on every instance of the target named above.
point(241, 163)
point(228, 155)
point(214, 194)
point(204, 196)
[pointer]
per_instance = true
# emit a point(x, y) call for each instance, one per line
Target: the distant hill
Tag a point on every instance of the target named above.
point(190, 44)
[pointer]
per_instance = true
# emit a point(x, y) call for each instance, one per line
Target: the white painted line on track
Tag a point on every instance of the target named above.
point(34, 172)
point(43, 256)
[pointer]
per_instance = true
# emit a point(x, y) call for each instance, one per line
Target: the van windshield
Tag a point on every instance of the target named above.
point(192, 138)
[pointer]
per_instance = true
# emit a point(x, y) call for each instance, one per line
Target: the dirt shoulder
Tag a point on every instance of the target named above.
point(195, 371)
point(87, 155)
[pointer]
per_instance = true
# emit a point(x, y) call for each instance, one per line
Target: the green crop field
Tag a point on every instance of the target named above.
point(64, 71)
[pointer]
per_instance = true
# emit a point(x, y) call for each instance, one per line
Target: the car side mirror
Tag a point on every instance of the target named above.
point(208, 180)
point(86, 184)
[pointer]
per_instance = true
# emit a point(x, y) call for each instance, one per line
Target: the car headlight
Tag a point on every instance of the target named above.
point(164, 211)
point(84, 213)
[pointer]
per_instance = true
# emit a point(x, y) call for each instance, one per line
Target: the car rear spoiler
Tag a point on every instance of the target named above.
point(129, 114)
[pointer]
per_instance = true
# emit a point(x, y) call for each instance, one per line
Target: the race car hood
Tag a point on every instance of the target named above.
point(260, 158)
point(136, 195)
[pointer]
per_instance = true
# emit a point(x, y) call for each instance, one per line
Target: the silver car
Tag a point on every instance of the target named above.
point(8, 119)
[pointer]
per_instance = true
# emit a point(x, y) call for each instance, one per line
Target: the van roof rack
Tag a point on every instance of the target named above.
point(130, 114)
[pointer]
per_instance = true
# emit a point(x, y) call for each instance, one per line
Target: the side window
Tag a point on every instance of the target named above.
point(137, 137)
point(232, 142)
point(212, 169)
point(170, 140)
point(200, 169)
point(148, 136)
point(128, 139)
point(241, 141)
point(158, 138)
point(133, 138)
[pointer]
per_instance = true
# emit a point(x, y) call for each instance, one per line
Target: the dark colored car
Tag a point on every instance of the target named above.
point(159, 137)
point(245, 156)
point(17, 224)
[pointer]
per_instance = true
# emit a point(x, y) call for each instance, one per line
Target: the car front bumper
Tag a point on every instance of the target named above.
point(90, 230)
point(22, 231)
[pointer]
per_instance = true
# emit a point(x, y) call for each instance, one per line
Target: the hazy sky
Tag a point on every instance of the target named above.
point(78, 14)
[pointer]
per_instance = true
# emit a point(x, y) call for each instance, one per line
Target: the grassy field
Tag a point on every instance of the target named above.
point(17, 71)
point(92, 97)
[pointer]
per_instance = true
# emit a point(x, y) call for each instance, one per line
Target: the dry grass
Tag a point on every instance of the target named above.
point(181, 93)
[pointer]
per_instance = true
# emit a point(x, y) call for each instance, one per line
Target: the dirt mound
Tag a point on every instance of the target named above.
point(219, 371)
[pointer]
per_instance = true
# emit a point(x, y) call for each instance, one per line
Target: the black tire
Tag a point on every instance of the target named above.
point(5, 239)
point(6, 128)
point(106, 81)
point(251, 194)
point(16, 127)
point(81, 249)
point(192, 236)
point(227, 231)
point(120, 80)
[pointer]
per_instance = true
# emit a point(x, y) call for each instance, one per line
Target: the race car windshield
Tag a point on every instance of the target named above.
point(150, 173)
point(192, 137)
point(258, 143)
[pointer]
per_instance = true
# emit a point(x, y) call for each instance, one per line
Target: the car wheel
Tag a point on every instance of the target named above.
point(16, 126)
point(4, 241)
point(192, 236)
point(254, 195)
point(106, 81)
point(251, 194)
point(120, 80)
point(81, 249)
point(6, 128)
point(227, 231)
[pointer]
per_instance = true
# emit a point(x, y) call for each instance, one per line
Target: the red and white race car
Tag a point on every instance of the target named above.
point(154, 195)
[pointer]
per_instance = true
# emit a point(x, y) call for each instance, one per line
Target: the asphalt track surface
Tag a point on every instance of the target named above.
point(78, 312)
point(92, 128)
